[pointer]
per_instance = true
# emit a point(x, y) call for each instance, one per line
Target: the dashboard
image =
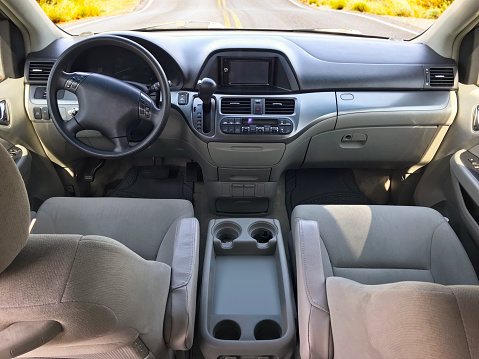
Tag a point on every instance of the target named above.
point(283, 100)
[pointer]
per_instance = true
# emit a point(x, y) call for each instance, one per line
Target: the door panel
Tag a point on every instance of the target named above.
point(16, 130)
point(465, 182)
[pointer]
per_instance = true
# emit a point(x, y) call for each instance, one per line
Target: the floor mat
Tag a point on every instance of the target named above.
point(151, 182)
point(322, 186)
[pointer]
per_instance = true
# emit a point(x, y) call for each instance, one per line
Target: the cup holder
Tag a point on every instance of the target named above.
point(267, 330)
point(227, 330)
point(262, 232)
point(227, 232)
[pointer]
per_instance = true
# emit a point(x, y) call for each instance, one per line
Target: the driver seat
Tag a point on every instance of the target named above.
point(97, 278)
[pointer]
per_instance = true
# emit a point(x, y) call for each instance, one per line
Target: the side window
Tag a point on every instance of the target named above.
point(12, 50)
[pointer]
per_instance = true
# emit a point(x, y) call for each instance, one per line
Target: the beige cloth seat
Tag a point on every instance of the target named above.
point(371, 245)
point(119, 275)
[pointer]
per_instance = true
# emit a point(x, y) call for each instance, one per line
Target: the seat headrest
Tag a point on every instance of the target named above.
point(14, 210)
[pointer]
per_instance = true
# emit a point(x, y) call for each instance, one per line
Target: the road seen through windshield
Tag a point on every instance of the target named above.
point(247, 14)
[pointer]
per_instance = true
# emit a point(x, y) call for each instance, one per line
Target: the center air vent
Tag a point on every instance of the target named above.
point(239, 105)
point(279, 106)
point(38, 71)
point(441, 77)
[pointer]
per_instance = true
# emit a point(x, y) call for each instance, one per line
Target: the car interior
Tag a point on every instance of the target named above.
point(238, 194)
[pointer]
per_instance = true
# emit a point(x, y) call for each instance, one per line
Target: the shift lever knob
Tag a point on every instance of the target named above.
point(206, 91)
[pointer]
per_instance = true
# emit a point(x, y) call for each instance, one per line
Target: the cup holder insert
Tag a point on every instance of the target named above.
point(227, 232)
point(267, 330)
point(227, 330)
point(262, 232)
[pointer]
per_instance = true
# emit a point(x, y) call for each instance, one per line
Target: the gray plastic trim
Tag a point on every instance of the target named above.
point(247, 283)
point(392, 101)
point(356, 109)
point(245, 154)
point(378, 147)
point(234, 197)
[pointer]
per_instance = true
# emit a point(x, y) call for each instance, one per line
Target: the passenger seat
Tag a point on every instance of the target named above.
point(364, 316)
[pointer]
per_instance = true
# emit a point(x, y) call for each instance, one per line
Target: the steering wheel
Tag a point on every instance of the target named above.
point(107, 105)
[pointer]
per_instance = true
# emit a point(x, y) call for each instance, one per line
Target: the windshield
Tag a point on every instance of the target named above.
point(399, 19)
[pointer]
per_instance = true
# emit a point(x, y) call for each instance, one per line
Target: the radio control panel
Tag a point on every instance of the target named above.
point(256, 125)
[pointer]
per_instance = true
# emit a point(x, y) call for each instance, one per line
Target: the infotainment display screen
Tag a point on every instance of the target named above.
point(247, 72)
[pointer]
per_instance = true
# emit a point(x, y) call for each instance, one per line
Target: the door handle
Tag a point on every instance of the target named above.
point(475, 118)
point(3, 113)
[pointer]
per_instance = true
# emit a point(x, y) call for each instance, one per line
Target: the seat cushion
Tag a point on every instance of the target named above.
point(384, 244)
point(403, 320)
point(104, 295)
point(139, 224)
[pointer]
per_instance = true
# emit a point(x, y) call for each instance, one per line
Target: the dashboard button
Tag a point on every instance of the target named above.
point(182, 98)
point(267, 128)
point(37, 113)
point(285, 129)
point(237, 129)
point(252, 128)
point(237, 121)
point(260, 129)
point(45, 113)
point(258, 109)
point(274, 129)
point(245, 129)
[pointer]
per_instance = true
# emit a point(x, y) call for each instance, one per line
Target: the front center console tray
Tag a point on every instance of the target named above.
point(246, 299)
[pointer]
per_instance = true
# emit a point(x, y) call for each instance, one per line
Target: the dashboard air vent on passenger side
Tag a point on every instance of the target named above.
point(279, 106)
point(38, 71)
point(240, 105)
point(441, 77)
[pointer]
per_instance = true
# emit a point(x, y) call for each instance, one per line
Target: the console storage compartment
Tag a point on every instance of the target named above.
point(246, 306)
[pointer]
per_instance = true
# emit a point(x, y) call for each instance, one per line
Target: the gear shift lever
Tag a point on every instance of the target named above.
point(207, 88)
point(206, 91)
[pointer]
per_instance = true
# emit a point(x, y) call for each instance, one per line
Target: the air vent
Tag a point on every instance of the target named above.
point(236, 106)
point(279, 106)
point(441, 77)
point(38, 71)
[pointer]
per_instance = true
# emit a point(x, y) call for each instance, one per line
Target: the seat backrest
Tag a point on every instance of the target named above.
point(314, 269)
point(14, 210)
point(403, 320)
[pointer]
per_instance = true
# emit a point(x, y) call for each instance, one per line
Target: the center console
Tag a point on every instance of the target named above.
point(246, 306)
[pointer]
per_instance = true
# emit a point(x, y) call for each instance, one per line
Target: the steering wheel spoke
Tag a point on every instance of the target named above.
point(72, 126)
point(146, 107)
point(121, 144)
